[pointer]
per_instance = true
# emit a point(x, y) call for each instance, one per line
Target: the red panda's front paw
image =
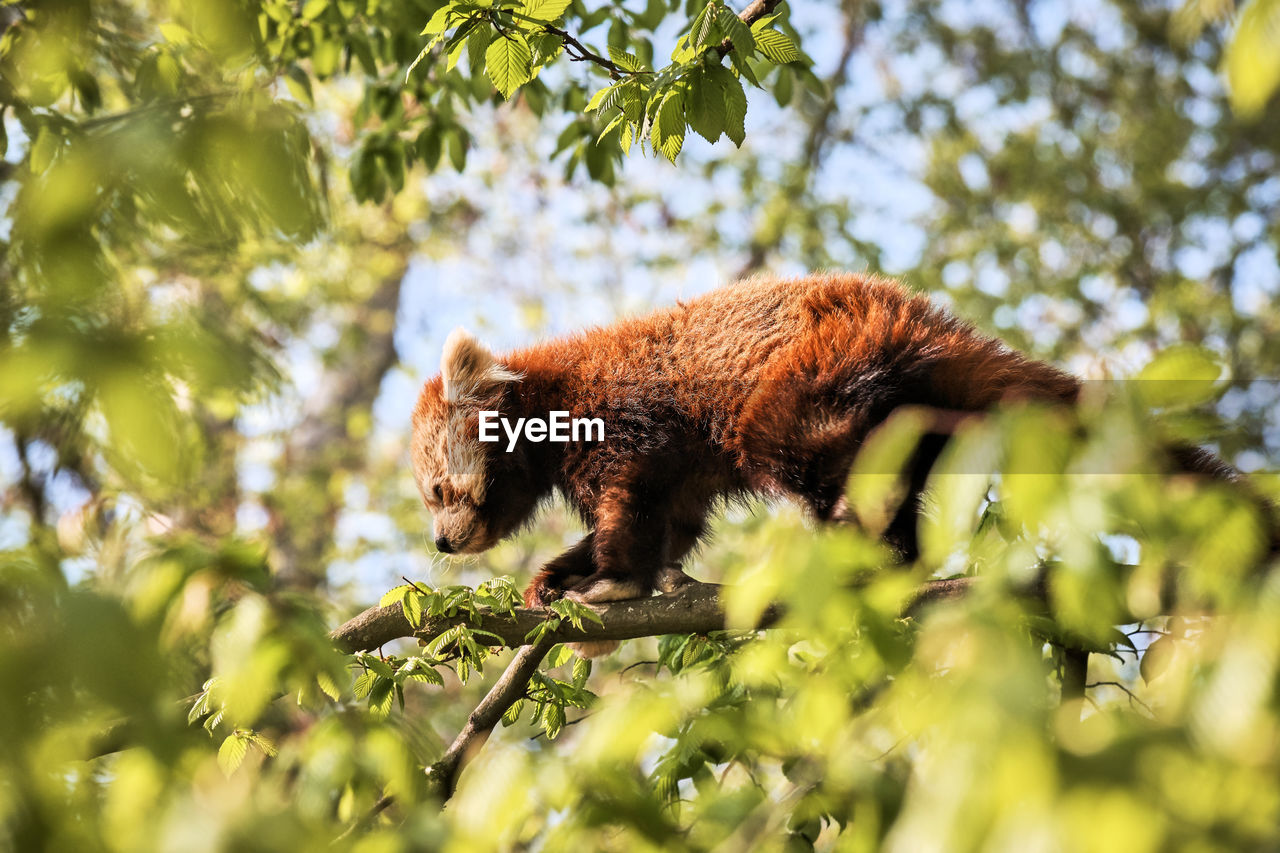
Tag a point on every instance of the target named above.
point(540, 593)
point(548, 586)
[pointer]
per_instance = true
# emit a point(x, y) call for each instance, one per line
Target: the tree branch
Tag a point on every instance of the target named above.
point(688, 608)
point(692, 609)
point(578, 52)
point(443, 775)
point(1075, 670)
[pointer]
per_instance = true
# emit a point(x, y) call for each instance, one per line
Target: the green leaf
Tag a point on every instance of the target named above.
point(477, 43)
point(763, 23)
point(683, 51)
point(703, 26)
point(439, 21)
point(263, 743)
point(457, 44)
point(575, 612)
point(393, 595)
point(232, 752)
point(512, 713)
point(44, 149)
point(537, 632)
point(742, 64)
point(581, 671)
point(705, 109)
point(1180, 375)
point(378, 665)
point(1157, 658)
point(313, 9)
point(456, 143)
point(546, 47)
point(559, 656)
point(784, 87)
point(426, 673)
point(329, 685)
point(633, 101)
point(382, 697)
point(605, 98)
point(1252, 57)
point(546, 10)
point(553, 721)
point(624, 60)
point(692, 651)
point(737, 31)
point(667, 133)
point(611, 127)
point(299, 85)
point(214, 720)
point(777, 46)
point(428, 148)
point(507, 62)
point(735, 103)
point(199, 708)
point(364, 684)
point(412, 606)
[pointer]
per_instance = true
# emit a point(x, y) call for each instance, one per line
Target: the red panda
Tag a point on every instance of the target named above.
point(767, 387)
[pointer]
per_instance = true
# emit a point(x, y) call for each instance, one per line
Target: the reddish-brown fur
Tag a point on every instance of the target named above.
point(767, 386)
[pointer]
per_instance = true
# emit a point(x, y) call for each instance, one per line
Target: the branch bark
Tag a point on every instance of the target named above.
point(1075, 671)
point(692, 609)
point(443, 775)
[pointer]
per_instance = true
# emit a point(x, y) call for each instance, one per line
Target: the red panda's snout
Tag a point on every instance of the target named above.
point(460, 530)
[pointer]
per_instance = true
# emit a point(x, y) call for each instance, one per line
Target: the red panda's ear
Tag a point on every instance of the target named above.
point(469, 370)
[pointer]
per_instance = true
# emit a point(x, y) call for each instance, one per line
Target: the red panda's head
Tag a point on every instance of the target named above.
point(476, 493)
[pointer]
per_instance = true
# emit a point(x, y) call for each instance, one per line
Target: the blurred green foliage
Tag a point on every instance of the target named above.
point(209, 210)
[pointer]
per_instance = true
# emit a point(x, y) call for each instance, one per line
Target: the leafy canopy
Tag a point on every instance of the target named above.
point(209, 210)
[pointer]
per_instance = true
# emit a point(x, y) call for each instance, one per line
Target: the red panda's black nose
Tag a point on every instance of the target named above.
point(443, 546)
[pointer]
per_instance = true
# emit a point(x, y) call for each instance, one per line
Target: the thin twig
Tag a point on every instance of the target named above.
point(510, 687)
point(632, 666)
point(1132, 696)
point(442, 776)
point(578, 52)
point(414, 584)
